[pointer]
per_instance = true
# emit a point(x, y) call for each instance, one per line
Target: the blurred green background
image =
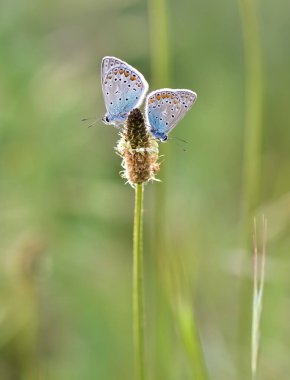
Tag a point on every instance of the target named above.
point(66, 215)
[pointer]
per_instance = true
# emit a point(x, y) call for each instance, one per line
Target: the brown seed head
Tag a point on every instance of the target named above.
point(138, 150)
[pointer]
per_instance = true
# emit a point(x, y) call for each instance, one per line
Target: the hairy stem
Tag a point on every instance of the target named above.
point(138, 318)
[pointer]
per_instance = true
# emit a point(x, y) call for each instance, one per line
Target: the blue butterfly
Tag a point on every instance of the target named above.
point(165, 108)
point(124, 89)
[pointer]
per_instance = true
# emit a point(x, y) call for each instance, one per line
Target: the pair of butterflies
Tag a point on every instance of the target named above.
point(124, 89)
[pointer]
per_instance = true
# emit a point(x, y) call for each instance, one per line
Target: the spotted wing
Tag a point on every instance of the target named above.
point(123, 87)
point(166, 107)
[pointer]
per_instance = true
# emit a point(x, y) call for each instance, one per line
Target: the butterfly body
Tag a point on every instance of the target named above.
point(124, 89)
point(165, 108)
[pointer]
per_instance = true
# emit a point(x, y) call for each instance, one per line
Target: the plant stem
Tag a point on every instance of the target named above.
point(159, 26)
point(189, 334)
point(160, 68)
point(138, 318)
point(258, 289)
point(159, 20)
point(251, 159)
point(253, 112)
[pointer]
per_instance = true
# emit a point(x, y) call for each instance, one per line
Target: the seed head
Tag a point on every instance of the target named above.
point(138, 150)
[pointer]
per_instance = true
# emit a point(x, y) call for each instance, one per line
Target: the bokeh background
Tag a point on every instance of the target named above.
point(66, 215)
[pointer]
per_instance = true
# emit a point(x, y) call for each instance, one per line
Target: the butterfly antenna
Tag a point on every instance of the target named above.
point(94, 121)
point(179, 140)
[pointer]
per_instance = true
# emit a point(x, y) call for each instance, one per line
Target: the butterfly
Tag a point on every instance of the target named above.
point(165, 108)
point(124, 89)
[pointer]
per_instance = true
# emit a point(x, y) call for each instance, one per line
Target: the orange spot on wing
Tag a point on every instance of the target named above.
point(158, 97)
point(133, 77)
point(127, 73)
point(121, 71)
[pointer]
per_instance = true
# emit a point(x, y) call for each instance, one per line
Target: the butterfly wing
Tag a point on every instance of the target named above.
point(123, 87)
point(165, 108)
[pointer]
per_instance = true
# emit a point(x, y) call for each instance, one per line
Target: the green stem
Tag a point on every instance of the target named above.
point(253, 112)
point(189, 335)
point(251, 158)
point(138, 318)
point(258, 289)
point(160, 68)
point(159, 20)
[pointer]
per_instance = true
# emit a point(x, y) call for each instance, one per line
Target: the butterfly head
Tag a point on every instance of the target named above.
point(114, 120)
point(162, 137)
point(106, 119)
